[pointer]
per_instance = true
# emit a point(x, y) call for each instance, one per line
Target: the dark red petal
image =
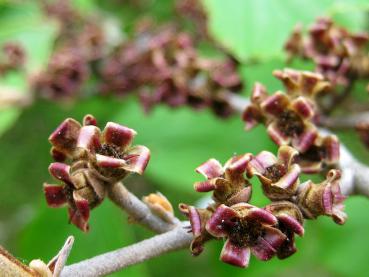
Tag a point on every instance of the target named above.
point(210, 169)
point(89, 120)
point(137, 158)
point(60, 171)
point(235, 255)
point(118, 135)
point(55, 196)
point(205, 186)
point(216, 224)
point(89, 138)
point(64, 138)
point(292, 223)
point(263, 250)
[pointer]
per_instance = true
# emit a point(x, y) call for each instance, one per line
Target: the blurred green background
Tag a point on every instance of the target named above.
point(180, 139)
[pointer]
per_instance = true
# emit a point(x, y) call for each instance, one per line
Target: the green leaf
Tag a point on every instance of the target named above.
point(258, 28)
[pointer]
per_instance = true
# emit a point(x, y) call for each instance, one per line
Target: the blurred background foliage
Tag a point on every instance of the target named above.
point(180, 139)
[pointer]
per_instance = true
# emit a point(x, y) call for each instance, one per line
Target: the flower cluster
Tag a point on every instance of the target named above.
point(289, 118)
point(12, 57)
point(265, 232)
point(338, 54)
point(87, 161)
point(164, 67)
point(81, 42)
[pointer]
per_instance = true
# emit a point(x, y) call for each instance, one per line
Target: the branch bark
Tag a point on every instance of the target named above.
point(110, 262)
point(137, 210)
point(345, 121)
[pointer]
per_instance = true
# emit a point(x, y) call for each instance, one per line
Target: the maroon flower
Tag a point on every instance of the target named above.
point(288, 121)
point(325, 152)
point(198, 218)
point(338, 54)
point(246, 229)
point(290, 222)
point(323, 199)
point(228, 183)
point(97, 160)
point(279, 175)
point(64, 76)
point(302, 83)
point(12, 57)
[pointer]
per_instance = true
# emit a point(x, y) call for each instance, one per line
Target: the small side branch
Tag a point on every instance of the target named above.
point(113, 261)
point(137, 210)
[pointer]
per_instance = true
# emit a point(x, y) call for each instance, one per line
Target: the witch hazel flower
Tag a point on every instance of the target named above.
point(290, 222)
point(302, 83)
point(324, 153)
point(323, 199)
point(96, 160)
point(198, 218)
point(227, 182)
point(247, 229)
point(288, 121)
point(279, 175)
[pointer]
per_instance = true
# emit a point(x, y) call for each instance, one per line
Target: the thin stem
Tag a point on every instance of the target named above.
point(137, 210)
point(113, 261)
point(345, 121)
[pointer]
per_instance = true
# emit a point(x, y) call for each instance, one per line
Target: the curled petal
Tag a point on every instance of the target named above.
point(210, 169)
point(303, 107)
point(273, 237)
point(263, 250)
point(275, 104)
point(262, 216)
point(260, 162)
point(235, 255)
point(238, 163)
point(287, 155)
point(137, 159)
point(220, 218)
point(55, 196)
point(57, 155)
point(89, 120)
point(60, 171)
point(288, 181)
point(292, 223)
point(332, 148)
point(205, 186)
point(80, 215)
point(64, 138)
point(118, 135)
point(243, 195)
point(277, 135)
point(259, 93)
point(251, 116)
point(303, 142)
point(106, 161)
point(89, 138)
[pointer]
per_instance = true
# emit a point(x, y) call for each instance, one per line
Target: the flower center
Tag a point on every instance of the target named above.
point(275, 172)
point(244, 232)
point(290, 123)
point(314, 154)
point(110, 150)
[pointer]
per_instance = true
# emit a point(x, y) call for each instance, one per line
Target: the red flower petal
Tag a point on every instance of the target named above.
point(210, 169)
point(55, 196)
point(235, 255)
point(118, 135)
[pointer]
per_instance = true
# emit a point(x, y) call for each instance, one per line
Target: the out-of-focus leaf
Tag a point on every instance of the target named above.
point(259, 28)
